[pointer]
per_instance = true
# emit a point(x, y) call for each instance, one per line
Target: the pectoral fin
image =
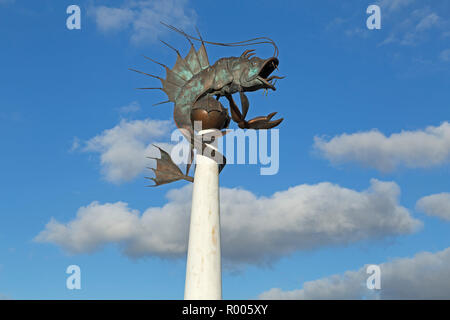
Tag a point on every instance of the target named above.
point(166, 170)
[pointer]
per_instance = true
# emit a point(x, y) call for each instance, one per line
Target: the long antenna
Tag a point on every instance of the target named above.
point(230, 44)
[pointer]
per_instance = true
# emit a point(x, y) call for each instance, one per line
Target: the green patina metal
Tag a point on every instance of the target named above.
point(193, 79)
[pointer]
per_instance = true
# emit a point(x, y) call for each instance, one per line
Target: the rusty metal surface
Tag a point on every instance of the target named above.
point(210, 113)
point(195, 87)
point(166, 170)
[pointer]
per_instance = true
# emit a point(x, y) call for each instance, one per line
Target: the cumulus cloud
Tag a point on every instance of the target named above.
point(425, 276)
point(143, 18)
point(437, 205)
point(124, 148)
point(255, 229)
point(412, 149)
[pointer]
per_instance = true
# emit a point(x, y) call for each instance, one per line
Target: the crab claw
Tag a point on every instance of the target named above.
point(263, 122)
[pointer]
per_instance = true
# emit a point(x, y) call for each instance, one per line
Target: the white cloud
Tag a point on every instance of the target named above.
point(413, 149)
point(403, 22)
point(254, 229)
point(410, 25)
point(390, 6)
point(435, 205)
point(143, 18)
point(425, 276)
point(75, 144)
point(130, 108)
point(428, 22)
point(112, 19)
point(124, 148)
point(94, 225)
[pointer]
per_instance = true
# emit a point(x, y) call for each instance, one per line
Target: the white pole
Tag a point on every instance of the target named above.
point(203, 269)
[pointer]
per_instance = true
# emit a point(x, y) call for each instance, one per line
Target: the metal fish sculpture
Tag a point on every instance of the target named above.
point(195, 87)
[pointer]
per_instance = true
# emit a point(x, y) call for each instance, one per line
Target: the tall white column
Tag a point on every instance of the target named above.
point(203, 269)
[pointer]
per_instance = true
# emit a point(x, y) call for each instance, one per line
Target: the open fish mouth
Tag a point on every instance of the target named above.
point(268, 67)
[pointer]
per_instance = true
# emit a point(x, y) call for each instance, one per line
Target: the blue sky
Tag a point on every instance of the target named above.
point(364, 151)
